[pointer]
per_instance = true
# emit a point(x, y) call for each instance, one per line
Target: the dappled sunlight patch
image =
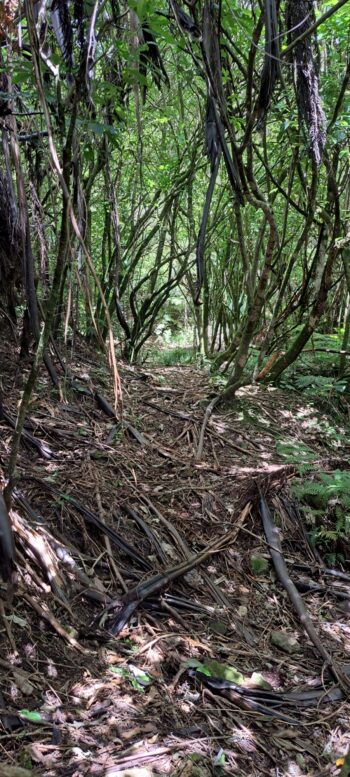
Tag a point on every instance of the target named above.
point(243, 471)
point(30, 651)
point(137, 771)
point(14, 693)
point(338, 632)
point(107, 689)
point(337, 744)
point(244, 738)
point(186, 706)
point(154, 656)
point(286, 414)
point(51, 669)
point(249, 391)
point(305, 411)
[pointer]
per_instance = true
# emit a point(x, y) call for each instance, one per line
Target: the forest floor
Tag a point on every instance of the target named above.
point(213, 672)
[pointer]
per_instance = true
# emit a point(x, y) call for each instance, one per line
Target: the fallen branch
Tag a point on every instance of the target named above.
point(218, 595)
point(43, 612)
point(106, 408)
point(275, 548)
point(38, 548)
point(250, 699)
point(128, 603)
point(148, 532)
point(208, 412)
point(43, 449)
point(166, 411)
point(94, 520)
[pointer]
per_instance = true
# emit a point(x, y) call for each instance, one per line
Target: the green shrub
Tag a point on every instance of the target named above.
point(326, 502)
point(172, 356)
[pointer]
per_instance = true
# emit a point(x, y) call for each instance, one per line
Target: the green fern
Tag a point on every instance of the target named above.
point(327, 534)
point(328, 506)
point(336, 483)
point(297, 453)
point(319, 382)
point(308, 487)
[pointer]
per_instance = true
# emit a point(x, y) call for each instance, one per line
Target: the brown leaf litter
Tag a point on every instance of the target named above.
point(135, 569)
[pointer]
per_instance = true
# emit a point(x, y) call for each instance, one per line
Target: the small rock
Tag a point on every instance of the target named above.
point(285, 642)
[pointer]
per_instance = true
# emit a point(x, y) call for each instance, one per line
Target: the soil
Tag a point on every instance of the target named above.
point(109, 504)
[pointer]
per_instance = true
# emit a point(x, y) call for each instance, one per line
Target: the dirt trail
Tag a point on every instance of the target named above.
point(105, 507)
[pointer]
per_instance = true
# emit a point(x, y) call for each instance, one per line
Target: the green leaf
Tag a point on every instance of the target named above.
point(193, 663)
point(223, 671)
point(31, 715)
point(17, 620)
point(220, 758)
point(120, 671)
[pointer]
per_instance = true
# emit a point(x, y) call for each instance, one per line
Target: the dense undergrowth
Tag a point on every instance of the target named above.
point(317, 373)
